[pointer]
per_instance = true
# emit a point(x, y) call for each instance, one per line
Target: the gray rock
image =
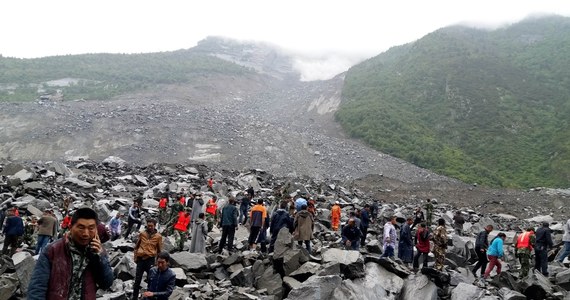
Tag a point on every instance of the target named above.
point(283, 243)
point(24, 264)
point(563, 279)
point(330, 268)
point(8, 286)
point(536, 286)
point(418, 287)
point(34, 185)
point(316, 288)
point(272, 282)
point(507, 294)
point(192, 262)
point(306, 270)
point(23, 175)
point(466, 291)
point(291, 283)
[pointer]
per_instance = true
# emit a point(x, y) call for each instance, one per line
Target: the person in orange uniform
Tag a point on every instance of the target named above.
point(257, 218)
point(523, 249)
point(335, 216)
point(181, 228)
point(211, 212)
point(162, 207)
point(182, 198)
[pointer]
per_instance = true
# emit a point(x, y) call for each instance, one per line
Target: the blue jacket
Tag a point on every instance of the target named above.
point(496, 248)
point(161, 283)
point(279, 220)
point(229, 215)
point(14, 226)
point(364, 218)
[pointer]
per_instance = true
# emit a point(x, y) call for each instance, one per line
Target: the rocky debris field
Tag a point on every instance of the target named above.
point(329, 272)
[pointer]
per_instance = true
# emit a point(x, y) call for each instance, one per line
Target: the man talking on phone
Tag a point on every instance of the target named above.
point(75, 266)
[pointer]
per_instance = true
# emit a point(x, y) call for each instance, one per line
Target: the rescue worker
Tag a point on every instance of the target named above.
point(181, 228)
point(335, 216)
point(30, 228)
point(440, 244)
point(162, 207)
point(429, 212)
point(212, 212)
point(65, 224)
point(523, 249)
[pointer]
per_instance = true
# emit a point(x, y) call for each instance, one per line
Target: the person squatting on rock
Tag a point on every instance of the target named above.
point(181, 228)
point(148, 245)
point(495, 253)
point(47, 230)
point(199, 235)
point(481, 246)
point(229, 223)
point(429, 212)
point(543, 243)
point(13, 231)
point(304, 224)
point(75, 266)
point(364, 223)
point(406, 245)
point(115, 226)
point(351, 235)
point(161, 279)
point(389, 237)
point(418, 217)
point(523, 249)
point(280, 219)
point(422, 244)
point(257, 217)
point(335, 216)
point(458, 221)
point(440, 244)
point(134, 218)
point(566, 240)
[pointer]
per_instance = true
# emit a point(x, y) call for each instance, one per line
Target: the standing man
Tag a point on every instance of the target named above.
point(422, 244)
point(351, 235)
point(47, 229)
point(197, 208)
point(335, 216)
point(458, 221)
point(161, 279)
point(374, 211)
point(279, 219)
point(523, 249)
point(566, 240)
point(543, 243)
point(429, 212)
point(134, 218)
point(229, 222)
point(181, 228)
point(364, 223)
point(13, 229)
point(258, 215)
point(75, 266)
point(389, 237)
point(304, 224)
point(481, 246)
point(406, 245)
point(440, 244)
point(212, 212)
point(244, 208)
point(147, 248)
point(199, 235)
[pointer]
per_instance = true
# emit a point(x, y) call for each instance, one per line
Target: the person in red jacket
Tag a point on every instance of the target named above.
point(422, 244)
point(162, 208)
point(212, 212)
point(181, 228)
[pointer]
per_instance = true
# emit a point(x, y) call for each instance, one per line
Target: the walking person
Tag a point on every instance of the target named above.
point(148, 245)
point(543, 243)
point(418, 217)
point(75, 266)
point(212, 212)
point(523, 250)
point(229, 223)
point(181, 228)
point(458, 221)
point(244, 208)
point(422, 244)
point(495, 253)
point(280, 219)
point(161, 279)
point(335, 216)
point(566, 239)
point(481, 246)
point(429, 212)
point(47, 230)
point(258, 215)
point(364, 223)
point(304, 224)
point(440, 244)
point(199, 235)
point(406, 245)
point(390, 237)
point(134, 218)
point(13, 231)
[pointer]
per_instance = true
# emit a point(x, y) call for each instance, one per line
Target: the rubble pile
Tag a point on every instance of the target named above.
point(290, 272)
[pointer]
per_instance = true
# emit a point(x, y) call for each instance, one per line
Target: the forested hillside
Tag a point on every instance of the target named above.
point(487, 107)
point(102, 76)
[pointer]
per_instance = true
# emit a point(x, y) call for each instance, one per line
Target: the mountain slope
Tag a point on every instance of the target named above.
point(480, 106)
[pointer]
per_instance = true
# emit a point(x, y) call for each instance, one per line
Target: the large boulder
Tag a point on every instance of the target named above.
point(351, 262)
point(418, 287)
point(316, 288)
point(24, 264)
point(192, 262)
point(466, 291)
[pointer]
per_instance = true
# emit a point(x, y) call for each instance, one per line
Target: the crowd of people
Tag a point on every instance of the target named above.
point(76, 243)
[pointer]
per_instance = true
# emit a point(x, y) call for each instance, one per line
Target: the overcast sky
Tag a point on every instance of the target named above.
point(336, 32)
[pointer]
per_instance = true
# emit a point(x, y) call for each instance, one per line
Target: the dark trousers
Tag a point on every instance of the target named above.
point(130, 224)
point(12, 242)
point(307, 245)
point(389, 252)
point(541, 260)
point(143, 265)
point(481, 262)
point(228, 233)
point(253, 233)
point(416, 262)
point(363, 236)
